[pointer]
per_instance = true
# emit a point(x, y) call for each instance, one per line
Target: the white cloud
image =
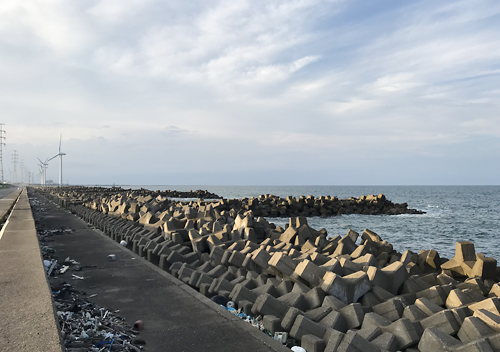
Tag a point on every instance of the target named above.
point(249, 78)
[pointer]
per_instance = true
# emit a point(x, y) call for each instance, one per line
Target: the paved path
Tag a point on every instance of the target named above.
point(26, 311)
point(176, 317)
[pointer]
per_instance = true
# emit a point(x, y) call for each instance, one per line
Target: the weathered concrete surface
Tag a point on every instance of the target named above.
point(176, 317)
point(26, 309)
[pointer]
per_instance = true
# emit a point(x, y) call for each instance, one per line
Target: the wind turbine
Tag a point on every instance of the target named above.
point(43, 169)
point(60, 155)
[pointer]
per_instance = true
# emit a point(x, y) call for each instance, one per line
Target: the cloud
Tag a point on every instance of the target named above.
point(255, 83)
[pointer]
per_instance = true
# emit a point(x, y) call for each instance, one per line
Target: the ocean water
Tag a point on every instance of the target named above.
point(453, 213)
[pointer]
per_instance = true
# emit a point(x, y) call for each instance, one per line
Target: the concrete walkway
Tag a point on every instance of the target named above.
point(176, 317)
point(26, 310)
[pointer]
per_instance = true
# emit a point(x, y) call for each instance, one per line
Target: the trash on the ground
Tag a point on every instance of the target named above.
point(298, 349)
point(123, 243)
point(230, 304)
point(51, 268)
point(139, 325)
point(93, 295)
point(281, 337)
point(82, 323)
point(112, 257)
point(63, 269)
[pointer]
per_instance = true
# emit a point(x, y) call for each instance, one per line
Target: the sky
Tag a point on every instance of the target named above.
point(234, 92)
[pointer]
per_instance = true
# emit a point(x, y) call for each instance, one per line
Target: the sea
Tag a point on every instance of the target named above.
point(453, 213)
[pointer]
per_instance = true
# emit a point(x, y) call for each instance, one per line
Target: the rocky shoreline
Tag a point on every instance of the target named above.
point(350, 293)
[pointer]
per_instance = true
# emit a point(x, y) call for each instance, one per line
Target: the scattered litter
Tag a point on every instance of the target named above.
point(63, 269)
point(51, 268)
point(281, 337)
point(112, 257)
point(139, 325)
point(123, 243)
point(298, 349)
point(84, 326)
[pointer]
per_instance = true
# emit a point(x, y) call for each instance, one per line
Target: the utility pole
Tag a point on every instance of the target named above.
point(14, 166)
point(2, 143)
point(21, 167)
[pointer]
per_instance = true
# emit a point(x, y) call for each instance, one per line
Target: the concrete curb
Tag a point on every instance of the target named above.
point(26, 308)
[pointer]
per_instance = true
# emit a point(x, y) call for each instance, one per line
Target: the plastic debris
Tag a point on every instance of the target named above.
point(298, 349)
point(112, 257)
point(123, 243)
point(281, 337)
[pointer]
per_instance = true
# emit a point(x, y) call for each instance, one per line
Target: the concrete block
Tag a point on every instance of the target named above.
point(334, 302)
point(444, 321)
point(490, 304)
point(484, 267)
point(348, 288)
point(240, 293)
point(373, 320)
point(294, 299)
point(353, 315)
point(457, 298)
point(369, 300)
point(391, 309)
point(390, 278)
point(414, 284)
point(489, 318)
point(315, 297)
point(261, 257)
point(284, 287)
point(318, 313)
point(309, 272)
point(474, 283)
point(217, 271)
point(429, 260)
point(312, 343)
point(463, 261)
point(472, 329)
point(381, 294)
point(272, 324)
point(435, 340)
point(333, 339)
point(268, 305)
point(386, 342)
point(404, 331)
point(334, 320)
point(494, 291)
point(236, 258)
point(289, 318)
point(436, 294)
point(304, 326)
point(427, 306)
point(353, 342)
point(413, 313)
point(283, 263)
point(266, 289)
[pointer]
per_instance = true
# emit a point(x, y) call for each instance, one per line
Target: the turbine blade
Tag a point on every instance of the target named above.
point(52, 158)
point(60, 140)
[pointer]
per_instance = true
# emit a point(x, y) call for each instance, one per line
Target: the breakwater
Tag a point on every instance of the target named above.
point(152, 206)
point(352, 292)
